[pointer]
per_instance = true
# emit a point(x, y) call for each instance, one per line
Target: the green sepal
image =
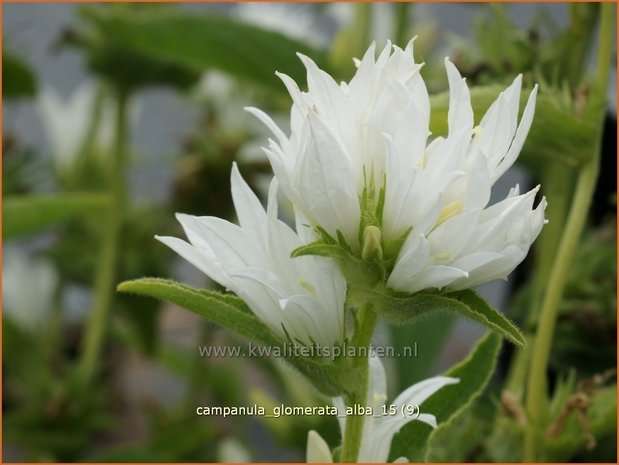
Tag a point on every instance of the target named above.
point(331, 378)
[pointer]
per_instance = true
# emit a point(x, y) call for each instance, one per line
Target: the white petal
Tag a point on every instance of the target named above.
point(460, 115)
point(202, 259)
point(248, 208)
point(452, 236)
point(378, 379)
point(317, 449)
point(294, 91)
point(412, 258)
point(269, 123)
point(327, 183)
point(226, 240)
point(411, 135)
point(419, 392)
point(329, 98)
point(500, 266)
point(388, 426)
point(434, 276)
point(428, 419)
point(521, 135)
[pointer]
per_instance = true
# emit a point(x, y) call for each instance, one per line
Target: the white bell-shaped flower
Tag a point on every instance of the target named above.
point(303, 297)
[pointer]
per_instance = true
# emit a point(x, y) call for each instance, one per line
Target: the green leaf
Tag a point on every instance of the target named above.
point(415, 439)
point(430, 335)
point(331, 378)
point(27, 214)
point(225, 310)
point(17, 79)
point(402, 308)
point(199, 42)
point(480, 311)
point(460, 439)
point(126, 67)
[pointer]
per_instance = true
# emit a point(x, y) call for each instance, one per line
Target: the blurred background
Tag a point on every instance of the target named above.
point(116, 116)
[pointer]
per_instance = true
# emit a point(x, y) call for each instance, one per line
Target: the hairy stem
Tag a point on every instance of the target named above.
point(354, 423)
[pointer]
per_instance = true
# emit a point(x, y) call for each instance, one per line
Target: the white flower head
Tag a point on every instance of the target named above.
point(28, 286)
point(362, 148)
point(66, 121)
point(303, 297)
point(378, 429)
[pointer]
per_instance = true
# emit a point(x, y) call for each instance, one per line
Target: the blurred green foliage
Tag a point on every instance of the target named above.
point(17, 78)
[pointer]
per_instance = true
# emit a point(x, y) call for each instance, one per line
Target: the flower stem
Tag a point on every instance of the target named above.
point(536, 388)
point(585, 186)
point(401, 23)
point(557, 181)
point(108, 255)
point(354, 423)
point(364, 23)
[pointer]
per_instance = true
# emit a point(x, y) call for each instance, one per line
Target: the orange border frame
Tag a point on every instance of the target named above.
point(263, 1)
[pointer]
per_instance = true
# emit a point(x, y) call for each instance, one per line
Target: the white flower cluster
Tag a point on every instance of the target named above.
point(371, 135)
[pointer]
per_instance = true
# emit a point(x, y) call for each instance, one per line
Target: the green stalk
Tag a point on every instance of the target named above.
point(536, 388)
point(557, 182)
point(585, 186)
point(363, 23)
point(54, 324)
point(577, 40)
point(108, 254)
point(401, 23)
point(354, 423)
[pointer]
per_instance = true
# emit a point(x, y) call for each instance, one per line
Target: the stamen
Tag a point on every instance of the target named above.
point(449, 210)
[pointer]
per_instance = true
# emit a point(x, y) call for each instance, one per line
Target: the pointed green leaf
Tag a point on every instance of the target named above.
point(28, 214)
point(480, 311)
point(232, 313)
point(402, 308)
point(415, 439)
point(225, 310)
point(198, 42)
